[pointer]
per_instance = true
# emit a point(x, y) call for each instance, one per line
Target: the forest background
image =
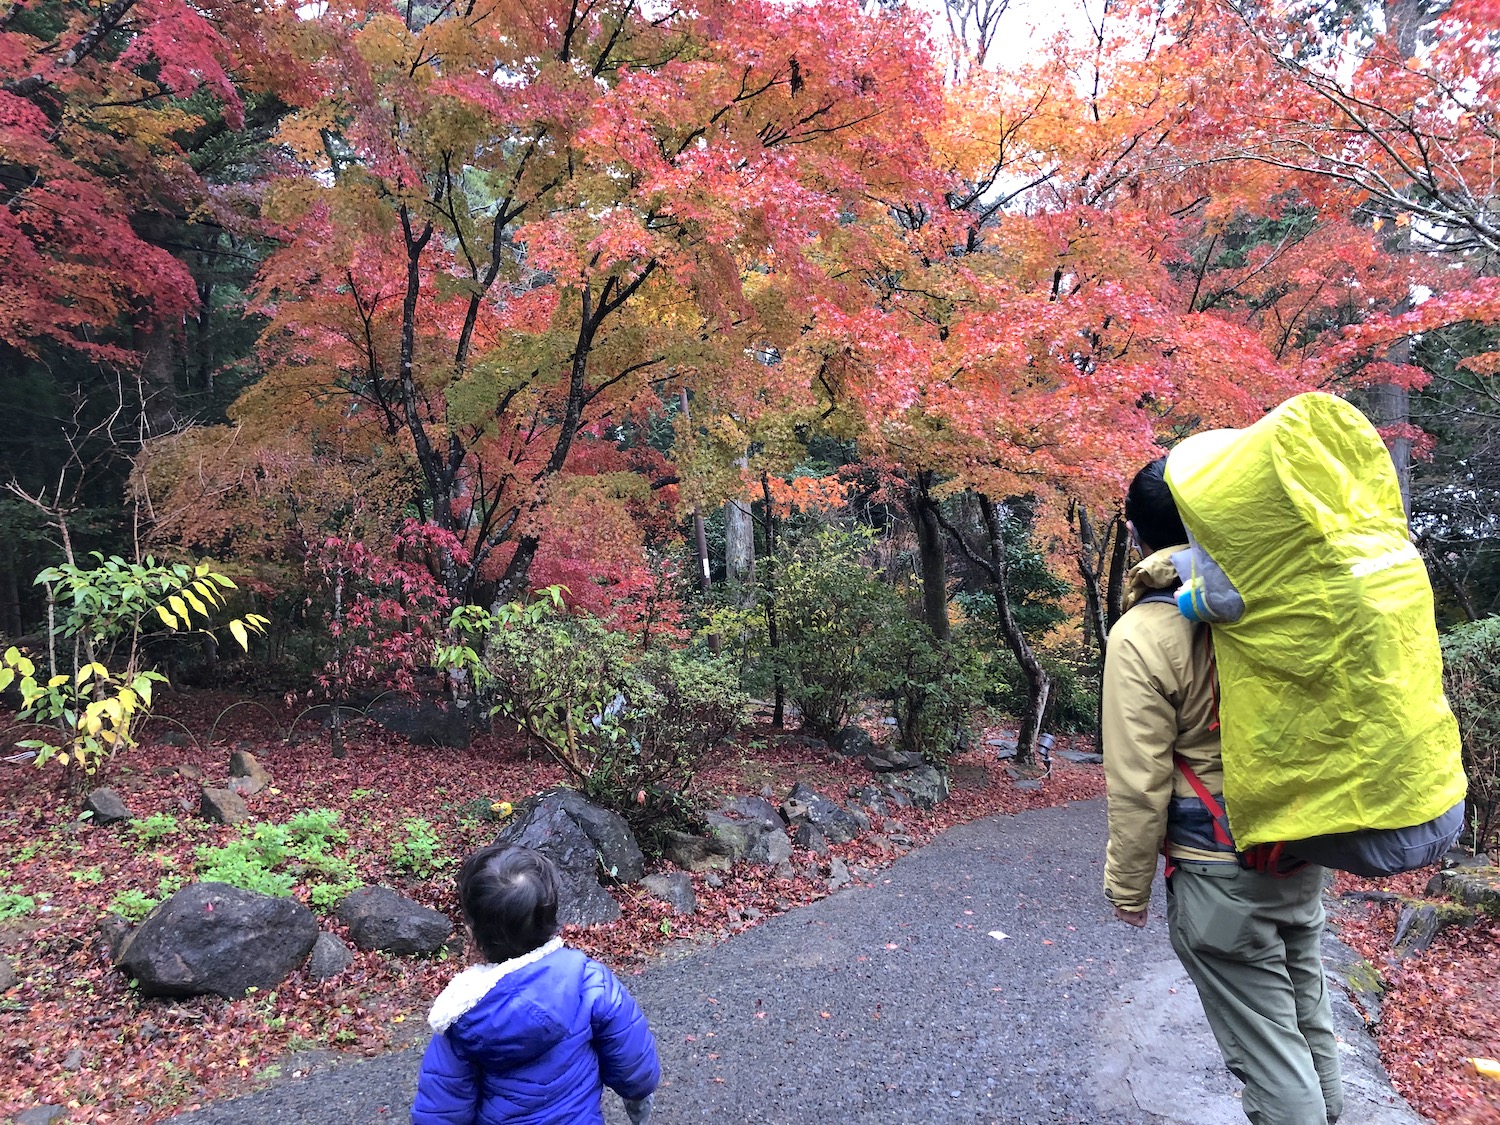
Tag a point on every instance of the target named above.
point(423, 307)
point(561, 352)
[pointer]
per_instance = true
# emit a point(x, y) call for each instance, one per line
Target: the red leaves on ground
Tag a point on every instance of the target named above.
point(143, 1060)
point(1441, 1006)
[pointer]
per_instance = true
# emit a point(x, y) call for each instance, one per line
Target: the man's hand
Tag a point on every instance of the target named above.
point(639, 1111)
point(1136, 918)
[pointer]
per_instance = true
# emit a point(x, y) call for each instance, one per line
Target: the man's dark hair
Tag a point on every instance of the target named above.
point(509, 897)
point(1150, 507)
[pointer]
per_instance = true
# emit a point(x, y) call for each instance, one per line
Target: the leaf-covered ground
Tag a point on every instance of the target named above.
point(72, 1031)
point(1441, 1006)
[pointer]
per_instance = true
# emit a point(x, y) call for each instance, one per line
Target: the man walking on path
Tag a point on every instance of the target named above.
point(1249, 941)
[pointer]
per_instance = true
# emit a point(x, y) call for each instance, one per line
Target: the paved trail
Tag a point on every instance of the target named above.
point(902, 1002)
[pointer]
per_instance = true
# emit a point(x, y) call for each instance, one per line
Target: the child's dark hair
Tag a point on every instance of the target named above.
point(1150, 507)
point(509, 896)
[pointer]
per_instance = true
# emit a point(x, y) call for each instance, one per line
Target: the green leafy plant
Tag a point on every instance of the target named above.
point(935, 689)
point(631, 727)
point(1471, 678)
point(132, 904)
point(89, 876)
point(13, 904)
point(154, 828)
point(105, 611)
point(273, 858)
point(419, 852)
point(831, 615)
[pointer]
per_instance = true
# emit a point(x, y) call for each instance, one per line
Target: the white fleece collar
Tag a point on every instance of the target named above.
point(474, 983)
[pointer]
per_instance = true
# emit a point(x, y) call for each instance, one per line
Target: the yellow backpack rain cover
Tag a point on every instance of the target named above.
point(1331, 706)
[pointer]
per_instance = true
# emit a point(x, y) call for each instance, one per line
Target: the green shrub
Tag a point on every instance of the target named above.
point(272, 859)
point(1471, 676)
point(676, 706)
point(13, 904)
point(1073, 704)
point(154, 828)
point(832, 617)
point(418, 853)
point(132, 905)
point(935, 689)
point(630, 727)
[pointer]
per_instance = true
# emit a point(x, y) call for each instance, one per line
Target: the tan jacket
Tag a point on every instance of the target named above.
point(1158, 700)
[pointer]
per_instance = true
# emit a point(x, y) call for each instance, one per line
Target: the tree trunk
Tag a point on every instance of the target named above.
point(773, 638)
point(739, 546)
point(930, 554)
point(1390, 405)
point(700, 537)
point(1038, 683)
point(160, 350)
point(1090, 563)
point(1119, 567)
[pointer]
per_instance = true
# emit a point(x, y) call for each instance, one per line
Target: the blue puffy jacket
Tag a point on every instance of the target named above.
point(533, 1041)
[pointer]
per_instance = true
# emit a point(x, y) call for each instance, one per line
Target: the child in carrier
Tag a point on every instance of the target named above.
point(536, 1031)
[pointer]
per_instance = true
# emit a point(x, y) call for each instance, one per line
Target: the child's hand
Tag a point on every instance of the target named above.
point(639, 1111)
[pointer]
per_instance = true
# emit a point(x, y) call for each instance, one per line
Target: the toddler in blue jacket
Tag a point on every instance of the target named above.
point(534, 1034)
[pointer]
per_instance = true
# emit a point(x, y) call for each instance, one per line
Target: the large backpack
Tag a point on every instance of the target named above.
point(1337, 741)
point(1373, 853)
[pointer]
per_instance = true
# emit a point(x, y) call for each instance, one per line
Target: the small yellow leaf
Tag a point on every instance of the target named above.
point(238, 629)
point(61, 678)
point(167, 618)
point(179, 607)
point(1488, 1068)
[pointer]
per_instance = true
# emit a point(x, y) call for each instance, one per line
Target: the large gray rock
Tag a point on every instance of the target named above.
point(924, 786)
point(107, 806)
point(383, 919)
point(838, 824)
point(211, 938)
point(223, 806)
point(758, 839)
point(808, 836)
point(871, 797)
point(758, 809)
point(1081, 757)
point(695, 853)
point(853, 742)
point(1420, 922)
point(246, 775)
point(675, 889)
point(586, 842)
point(330, 957)
point(1474, 886)
point(426, 721)
point(887, 759)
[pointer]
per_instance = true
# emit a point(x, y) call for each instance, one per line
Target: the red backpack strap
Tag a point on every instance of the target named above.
point(1215, 810)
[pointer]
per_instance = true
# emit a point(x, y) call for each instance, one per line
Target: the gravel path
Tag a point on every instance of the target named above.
point(980, 978)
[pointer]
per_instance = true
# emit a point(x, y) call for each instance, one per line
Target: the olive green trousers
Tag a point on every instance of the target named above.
point(1252, 945)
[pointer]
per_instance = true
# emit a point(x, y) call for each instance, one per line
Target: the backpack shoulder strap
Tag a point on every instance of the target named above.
point(1157, 596)
point(1215, 810)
